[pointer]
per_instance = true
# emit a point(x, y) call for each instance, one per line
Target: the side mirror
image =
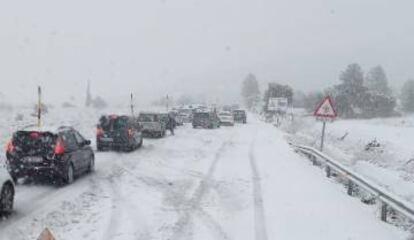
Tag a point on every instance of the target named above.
point(87, 142)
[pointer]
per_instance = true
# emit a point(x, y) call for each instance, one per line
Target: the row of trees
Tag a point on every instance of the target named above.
point(357, 95)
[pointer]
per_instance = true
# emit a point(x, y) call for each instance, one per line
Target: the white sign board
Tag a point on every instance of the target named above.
point(278, 104)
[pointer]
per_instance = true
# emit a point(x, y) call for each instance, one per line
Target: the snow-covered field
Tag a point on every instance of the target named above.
point(241, 182)
point(390, 165)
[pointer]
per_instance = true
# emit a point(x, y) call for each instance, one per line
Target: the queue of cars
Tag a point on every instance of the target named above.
point(62, 154)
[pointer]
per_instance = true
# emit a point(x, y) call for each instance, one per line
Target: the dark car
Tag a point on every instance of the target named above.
point(62, 154)
point(119, 133)
point(240, 116)
point(206, 119)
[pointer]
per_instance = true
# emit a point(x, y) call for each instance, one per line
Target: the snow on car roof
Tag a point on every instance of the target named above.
point(52, 129)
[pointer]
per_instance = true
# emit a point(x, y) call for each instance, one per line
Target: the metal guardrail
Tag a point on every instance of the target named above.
point(386, 198)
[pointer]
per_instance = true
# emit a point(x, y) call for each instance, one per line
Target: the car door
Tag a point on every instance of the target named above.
point(72, 149)
point(84, 150)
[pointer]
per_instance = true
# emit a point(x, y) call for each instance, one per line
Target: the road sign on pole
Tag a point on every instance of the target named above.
point(325, 111)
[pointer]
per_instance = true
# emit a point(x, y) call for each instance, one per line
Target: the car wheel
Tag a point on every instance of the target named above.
point(91, 167)
point(6, 198)
point(14, 178)
point(140, 143)
point(99, 148)
point(70, 174)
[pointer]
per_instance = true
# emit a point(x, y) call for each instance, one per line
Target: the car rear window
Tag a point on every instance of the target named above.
point(113, 123)
point(201, 115)
point(147, 118)
point(30, 140)
point(239, 112)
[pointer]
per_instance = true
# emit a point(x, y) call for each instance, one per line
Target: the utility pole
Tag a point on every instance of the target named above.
point(39, 106)
point(167, 102)
point(132, 104)
point(88, 101)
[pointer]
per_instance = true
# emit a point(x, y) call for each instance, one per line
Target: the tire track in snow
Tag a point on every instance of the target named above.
point(194, 203)
point(259, 217)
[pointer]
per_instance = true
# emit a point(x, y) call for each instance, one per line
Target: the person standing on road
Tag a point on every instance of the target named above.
point(171, 124)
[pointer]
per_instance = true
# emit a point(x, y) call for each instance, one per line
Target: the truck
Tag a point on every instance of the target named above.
point(153, 124)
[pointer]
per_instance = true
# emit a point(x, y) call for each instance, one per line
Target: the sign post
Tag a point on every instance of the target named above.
point(325, 112)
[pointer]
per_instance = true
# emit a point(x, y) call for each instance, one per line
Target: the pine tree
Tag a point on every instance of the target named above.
point(407, 96)
point(377, 81)
point(250, 91)
point(350, 93)
point(352, 76)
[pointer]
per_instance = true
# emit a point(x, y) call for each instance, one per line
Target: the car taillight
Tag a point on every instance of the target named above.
point(34, 134)
point(9, 146)
point(130, 132)
point(59, 147)
point(99, 132)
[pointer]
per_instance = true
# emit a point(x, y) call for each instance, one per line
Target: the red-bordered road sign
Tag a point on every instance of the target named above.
point(326, 109)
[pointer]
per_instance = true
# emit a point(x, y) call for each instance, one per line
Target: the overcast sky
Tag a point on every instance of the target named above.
point(155, 47)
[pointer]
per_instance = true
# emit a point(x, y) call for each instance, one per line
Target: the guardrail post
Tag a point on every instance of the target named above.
point(313, 158)
point(328, 171)
point(384, 209)
point(350, 187)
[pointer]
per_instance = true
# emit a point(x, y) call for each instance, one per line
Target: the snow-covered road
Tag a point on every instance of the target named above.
point(230, 183)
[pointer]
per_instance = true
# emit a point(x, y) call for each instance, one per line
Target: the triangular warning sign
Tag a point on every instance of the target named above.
point(46, 235)
point(326, 109)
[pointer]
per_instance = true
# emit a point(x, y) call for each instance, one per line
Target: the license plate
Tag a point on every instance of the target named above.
point(105, 139)
point(33, 159)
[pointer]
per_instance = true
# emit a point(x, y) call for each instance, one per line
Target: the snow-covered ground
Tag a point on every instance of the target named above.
point(241, 182)
point(390, 165)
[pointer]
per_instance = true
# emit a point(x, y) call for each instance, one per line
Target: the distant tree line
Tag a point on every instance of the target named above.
point(357, 95)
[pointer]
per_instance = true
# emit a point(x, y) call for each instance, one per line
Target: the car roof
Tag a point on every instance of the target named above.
point(153, 112)
point(116, 116)
point(51, 129)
